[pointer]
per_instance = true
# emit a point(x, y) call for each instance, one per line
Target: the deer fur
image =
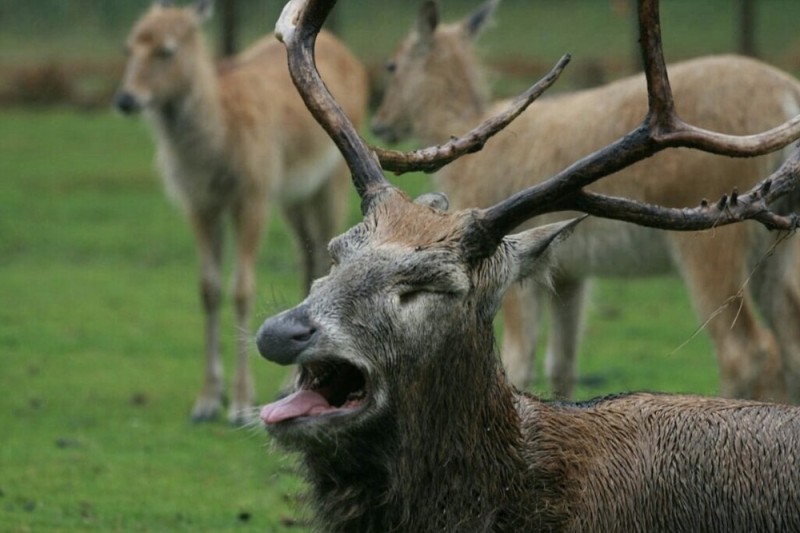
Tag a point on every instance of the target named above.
point(404, 420)
point(233, 139)
point(436, 90)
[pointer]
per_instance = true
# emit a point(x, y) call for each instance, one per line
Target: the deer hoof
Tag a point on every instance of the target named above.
point(206, 409)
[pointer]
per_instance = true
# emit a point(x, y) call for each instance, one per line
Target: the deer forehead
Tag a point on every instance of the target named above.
point(397, 221)
point(407, 240)
point(163, 27)
point(448, 40)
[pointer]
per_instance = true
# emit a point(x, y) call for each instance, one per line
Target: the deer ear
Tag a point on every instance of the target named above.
point(475, 23)
point(437, 200)
point(427, 19)
point(531, 249)
point(204, 9)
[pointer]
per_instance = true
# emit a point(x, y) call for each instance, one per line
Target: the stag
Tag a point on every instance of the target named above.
point(436, 89)
point(402, 414)
point(233, 139)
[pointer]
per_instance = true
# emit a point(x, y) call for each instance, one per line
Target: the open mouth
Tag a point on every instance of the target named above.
point(328, 387)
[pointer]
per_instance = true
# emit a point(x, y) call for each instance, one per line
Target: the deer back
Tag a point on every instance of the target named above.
point(648, 462)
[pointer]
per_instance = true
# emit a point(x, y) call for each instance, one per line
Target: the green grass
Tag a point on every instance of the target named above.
point(101, 336)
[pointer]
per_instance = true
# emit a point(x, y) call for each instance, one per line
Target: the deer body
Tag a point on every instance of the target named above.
point(436, 91)
point(234, 139)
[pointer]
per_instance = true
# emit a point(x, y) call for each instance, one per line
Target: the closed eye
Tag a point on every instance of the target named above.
point(411, 296)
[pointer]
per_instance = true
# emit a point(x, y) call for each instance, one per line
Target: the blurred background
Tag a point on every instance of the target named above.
point(70, 52)
point(100, 324)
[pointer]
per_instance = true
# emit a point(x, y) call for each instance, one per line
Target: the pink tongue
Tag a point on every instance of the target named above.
point(301, 403)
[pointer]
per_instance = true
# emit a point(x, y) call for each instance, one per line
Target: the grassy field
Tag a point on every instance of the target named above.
point(101, 330)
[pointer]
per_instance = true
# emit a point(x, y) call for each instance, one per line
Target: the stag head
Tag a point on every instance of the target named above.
point(370, 337)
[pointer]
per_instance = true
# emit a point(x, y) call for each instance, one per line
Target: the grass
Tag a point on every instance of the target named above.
point(101, 330)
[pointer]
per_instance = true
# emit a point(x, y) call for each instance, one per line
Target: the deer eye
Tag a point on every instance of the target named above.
point(412, 295)
point(391, 66)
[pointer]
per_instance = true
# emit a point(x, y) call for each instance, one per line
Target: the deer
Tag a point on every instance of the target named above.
point(402, 414)
point(436, 89)
point(233, 139)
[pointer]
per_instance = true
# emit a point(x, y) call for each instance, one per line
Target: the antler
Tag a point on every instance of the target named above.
point(433, 158)
point(297, 28)
point(662, 128)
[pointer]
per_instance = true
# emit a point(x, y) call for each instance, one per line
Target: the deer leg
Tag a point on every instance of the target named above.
point(714, 268)
point(298, 221)
point(315, 221)
point(566, 315)
point(209, 234)
point(326, 211)
point(777, 291)
point(249, 220)
point(520, 333)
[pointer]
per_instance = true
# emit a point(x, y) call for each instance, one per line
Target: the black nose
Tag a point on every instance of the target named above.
point(284, 337)
point(383, 131)
point(126, 103)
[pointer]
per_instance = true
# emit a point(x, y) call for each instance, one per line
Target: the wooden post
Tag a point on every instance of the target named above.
point(230, 27)
point(747, 28)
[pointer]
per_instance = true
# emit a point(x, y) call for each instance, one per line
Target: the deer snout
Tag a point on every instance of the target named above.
point(126, 102)
point(284, 337)
point(383, 131)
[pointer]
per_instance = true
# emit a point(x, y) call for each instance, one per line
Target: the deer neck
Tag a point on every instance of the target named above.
point(442, 455)
point(192, 121)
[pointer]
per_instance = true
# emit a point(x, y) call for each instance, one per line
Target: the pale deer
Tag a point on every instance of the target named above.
point(402, 413)
point(436, 89)
point(234, 139)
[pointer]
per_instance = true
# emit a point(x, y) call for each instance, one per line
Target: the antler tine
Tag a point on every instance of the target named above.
point(433, 158)
point(297, 28)
point(662, 128)
point(752, 205)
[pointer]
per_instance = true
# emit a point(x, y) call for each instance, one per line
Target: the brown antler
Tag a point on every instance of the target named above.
point(297, 28)
point(433, 158)
point(662, 128)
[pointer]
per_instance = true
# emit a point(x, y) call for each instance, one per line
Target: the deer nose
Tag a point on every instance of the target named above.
point(126, 102)
point(284, 337)
point(383, 131)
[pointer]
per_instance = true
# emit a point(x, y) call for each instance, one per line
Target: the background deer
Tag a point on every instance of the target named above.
point(402, 413)
point(232, 140)
point(436, 90)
